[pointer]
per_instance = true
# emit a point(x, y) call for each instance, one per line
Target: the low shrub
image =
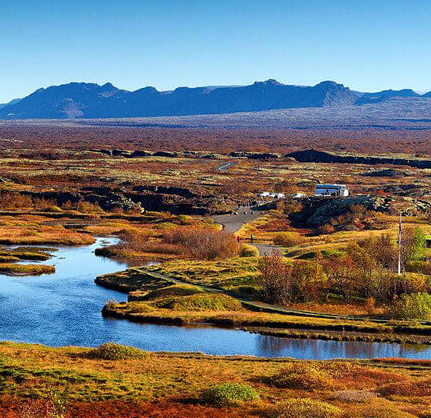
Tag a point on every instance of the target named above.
point(140, 307)
point(229, 394)
point(203, 243)
point(411, 307)
point(380, 409)
point(112, 351)
point(421, 387)
point(354, 376)
point(326, 229)
point(88, 207)
point(204, 302)
point(247, 250)
point(304, 408)
point(418, 266)
point(301, 376)
point(289, 239)
point(172, 291)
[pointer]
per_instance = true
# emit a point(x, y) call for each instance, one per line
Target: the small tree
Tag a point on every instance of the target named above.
point(413, 244)
point(411, 307)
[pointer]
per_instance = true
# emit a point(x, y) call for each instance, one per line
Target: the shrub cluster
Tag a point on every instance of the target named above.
point(413, 306)
point(289, 239)
point(304, 408)
point(380, 409)
point(112, 351)
point(229, 394)
point(301, 376)
point(204, 302)
point(203, 242)
point(247, 250)
point(364, 271)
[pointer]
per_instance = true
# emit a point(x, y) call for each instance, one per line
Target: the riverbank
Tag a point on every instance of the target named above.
point(169, 384)
point(156, 298)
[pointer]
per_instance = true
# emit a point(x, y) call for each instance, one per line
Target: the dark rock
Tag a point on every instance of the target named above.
point(140, 153)
point(254, 155)
point(318, 211)
point(389, 172)
point(166, 154)
point(313, 156)
point(180, 191)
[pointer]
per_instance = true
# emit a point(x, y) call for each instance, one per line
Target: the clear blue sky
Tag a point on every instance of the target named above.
point(366, 44)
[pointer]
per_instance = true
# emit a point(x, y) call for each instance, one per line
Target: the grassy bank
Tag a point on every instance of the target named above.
point(26, 269)
point(36, 230)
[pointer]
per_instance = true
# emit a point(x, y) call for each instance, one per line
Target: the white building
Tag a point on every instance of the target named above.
point(277, 195)
point(272, 195)
point(331, 190)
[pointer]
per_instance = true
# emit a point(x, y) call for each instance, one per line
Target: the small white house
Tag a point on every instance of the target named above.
point(264, 194)
point(331, 190)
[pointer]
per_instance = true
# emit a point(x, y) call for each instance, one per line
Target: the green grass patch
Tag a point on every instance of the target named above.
point(202, 302)
point(112, 351)
point(229, 394)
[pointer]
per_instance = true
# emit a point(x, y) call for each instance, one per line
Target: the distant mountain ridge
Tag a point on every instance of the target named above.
point(89, 100)
point(10, 103)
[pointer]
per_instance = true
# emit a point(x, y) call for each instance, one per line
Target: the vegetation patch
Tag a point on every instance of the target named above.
point(289, 239)
point(380, 409)
point(26, 269)
point(229, 394)
point(175, 290)
point(411, 307)
point(302, 376)
point(247, 250)
point(203, 302)
point(304, 408)
point(238, 271)
point(421, 387)
point(112, 351)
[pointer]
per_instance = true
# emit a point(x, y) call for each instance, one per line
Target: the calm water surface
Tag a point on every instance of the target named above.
point(64, 309)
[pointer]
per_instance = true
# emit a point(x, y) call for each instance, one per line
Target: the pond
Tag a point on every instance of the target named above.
point(64, 309)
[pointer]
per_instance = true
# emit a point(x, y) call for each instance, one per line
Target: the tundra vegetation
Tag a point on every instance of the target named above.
point(116, 381)
point(330, 272)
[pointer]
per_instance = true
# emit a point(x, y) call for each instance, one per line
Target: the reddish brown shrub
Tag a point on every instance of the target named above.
point(203, 243)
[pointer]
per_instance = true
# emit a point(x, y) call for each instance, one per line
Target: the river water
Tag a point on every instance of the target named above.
point(64, 309)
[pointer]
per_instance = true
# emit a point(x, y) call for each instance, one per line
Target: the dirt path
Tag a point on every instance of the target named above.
point(234, 222)
point(226, 166)
point(251, 304)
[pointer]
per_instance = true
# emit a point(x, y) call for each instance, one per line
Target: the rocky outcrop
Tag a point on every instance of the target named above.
point(180, 191)
point(319, 211)
point(313, 156)
point(60, 197)
point(254, 155)
point(389, 172)
point(146, 198)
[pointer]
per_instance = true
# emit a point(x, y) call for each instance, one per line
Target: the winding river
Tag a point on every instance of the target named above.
point(64, 309)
